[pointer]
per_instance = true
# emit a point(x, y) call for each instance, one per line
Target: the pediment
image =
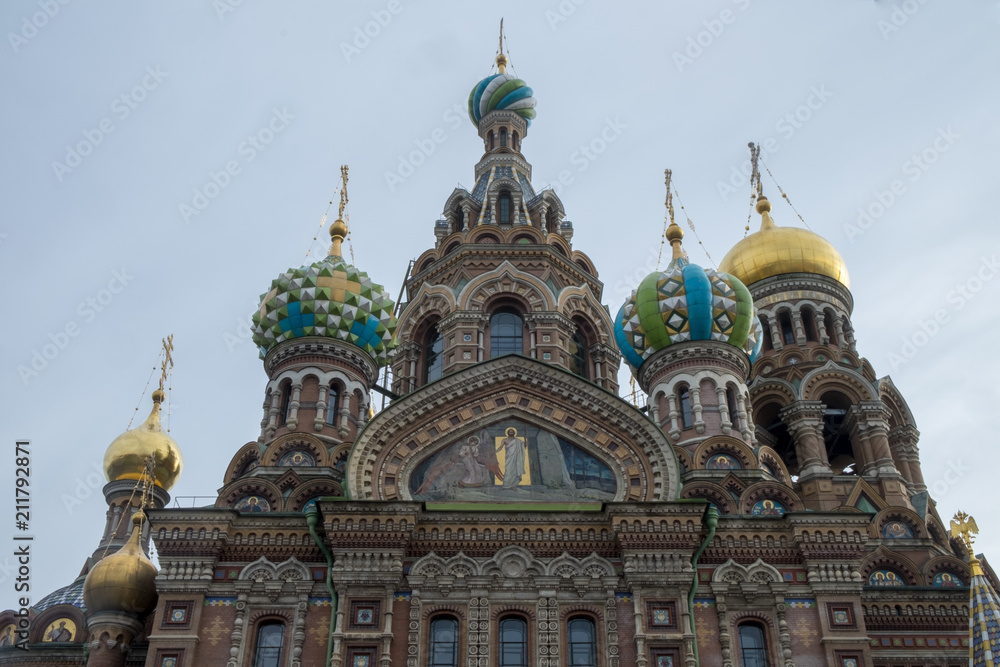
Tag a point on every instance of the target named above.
point(456, 420)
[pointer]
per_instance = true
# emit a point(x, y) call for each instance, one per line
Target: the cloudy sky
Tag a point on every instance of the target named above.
point(122, 224)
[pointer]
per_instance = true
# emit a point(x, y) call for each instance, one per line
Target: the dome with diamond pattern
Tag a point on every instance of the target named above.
point(330, 299)
point(683, 303)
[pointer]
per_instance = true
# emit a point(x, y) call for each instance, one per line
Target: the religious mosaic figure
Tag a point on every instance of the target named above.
point(60, 634)
point(514, 449)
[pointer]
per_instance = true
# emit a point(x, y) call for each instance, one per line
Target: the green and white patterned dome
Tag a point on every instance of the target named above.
point(331, 299)
point(685, 303)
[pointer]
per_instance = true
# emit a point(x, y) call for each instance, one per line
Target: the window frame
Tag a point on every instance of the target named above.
point(433, 337)
point(570, 644)
point(431, 657)
point(257, 660)
point(761, 652)
point(685, 407)
point(332, 407)
point(525, 644)
point(494, 338)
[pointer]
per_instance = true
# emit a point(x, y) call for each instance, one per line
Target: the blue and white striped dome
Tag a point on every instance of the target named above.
point(501, 91)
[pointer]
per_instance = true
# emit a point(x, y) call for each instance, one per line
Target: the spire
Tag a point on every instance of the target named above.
point(338, 230)
point(763, 205)
point(501, 58)
point(984, 605)
point(674, 232)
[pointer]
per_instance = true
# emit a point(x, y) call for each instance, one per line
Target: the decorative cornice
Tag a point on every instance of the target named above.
point(285, 353)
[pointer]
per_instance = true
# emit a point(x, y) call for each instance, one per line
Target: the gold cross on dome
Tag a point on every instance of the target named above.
point(167, 364)
point(343, 191)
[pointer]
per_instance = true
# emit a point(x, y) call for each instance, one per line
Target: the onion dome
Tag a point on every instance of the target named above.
point(124, 581)
point(774, 251)
point(501, 91)
point(683, 303)
point(126, 455)
point(331, 299)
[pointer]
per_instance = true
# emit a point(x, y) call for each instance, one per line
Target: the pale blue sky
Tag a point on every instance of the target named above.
point(198, 80)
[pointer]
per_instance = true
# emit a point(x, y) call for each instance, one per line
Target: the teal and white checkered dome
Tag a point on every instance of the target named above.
point(331, 299)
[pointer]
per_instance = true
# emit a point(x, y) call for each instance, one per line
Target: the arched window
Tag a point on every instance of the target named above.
point(582, 643)
point(444, 642)
point(492, 140)
point(787, 333)
point(332, 404)
point(809, 324)
point(459, 215)
point(684, 398)
point(506, 334)
point(513, 642)
point(578, 355)
point(270, 639)
point(503, 137)
point(753, 645)
point(286, 399)
point(766, 333)
point(504, 206)
point(734, 412)
point(516, 141)
point(433, 355)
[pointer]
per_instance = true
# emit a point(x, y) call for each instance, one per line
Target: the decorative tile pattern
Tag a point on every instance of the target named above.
point(683, 303)
point(71, 595)
point(364, 614)
point(983, 622)
point(661, 615)
point(841, 616)
point(328, 298)
point(220, 601)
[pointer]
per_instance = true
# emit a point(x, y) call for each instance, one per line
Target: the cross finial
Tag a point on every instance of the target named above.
point(501, 58)
point(755, 183)
point(343, 190)
point(167, 365)
point(674, 233)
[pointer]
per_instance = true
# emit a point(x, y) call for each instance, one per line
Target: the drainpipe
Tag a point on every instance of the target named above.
point(312, 518)
point(709, 520)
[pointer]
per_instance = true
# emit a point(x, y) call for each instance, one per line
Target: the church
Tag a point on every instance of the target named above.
point(761, 505)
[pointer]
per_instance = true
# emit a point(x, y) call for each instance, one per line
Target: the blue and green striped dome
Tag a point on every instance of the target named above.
point(501, 91)
point(329, 298)
point(686, 302)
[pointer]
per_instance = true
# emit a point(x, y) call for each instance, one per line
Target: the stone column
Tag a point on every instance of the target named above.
point(293, 407)
point(699, 422)
point(868, 423)
point(272, 417)
point(723, 410)
point(805, 423)
point(675, 424)
point(321, 407)
point(824, 339)
point(903, 442)
point(725, 639)
point(799, 327)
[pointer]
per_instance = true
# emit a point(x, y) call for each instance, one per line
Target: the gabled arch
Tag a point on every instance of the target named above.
point(834, 377)
point(412, 427)
point(770, 491)
point(506, 278)
point(899, 411)
point(901, 514)
point(711, 492)
point(951, 564)
point(230, 494)
point(310, 490)
point(724, 444)
point(289, 442)
point(768, 455)
point(883, 558)
point(430, 300)
point(245, 455)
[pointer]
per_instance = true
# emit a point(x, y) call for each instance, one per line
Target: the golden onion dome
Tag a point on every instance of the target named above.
point(125, 581)
point(126, 456)
point(775, 250)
